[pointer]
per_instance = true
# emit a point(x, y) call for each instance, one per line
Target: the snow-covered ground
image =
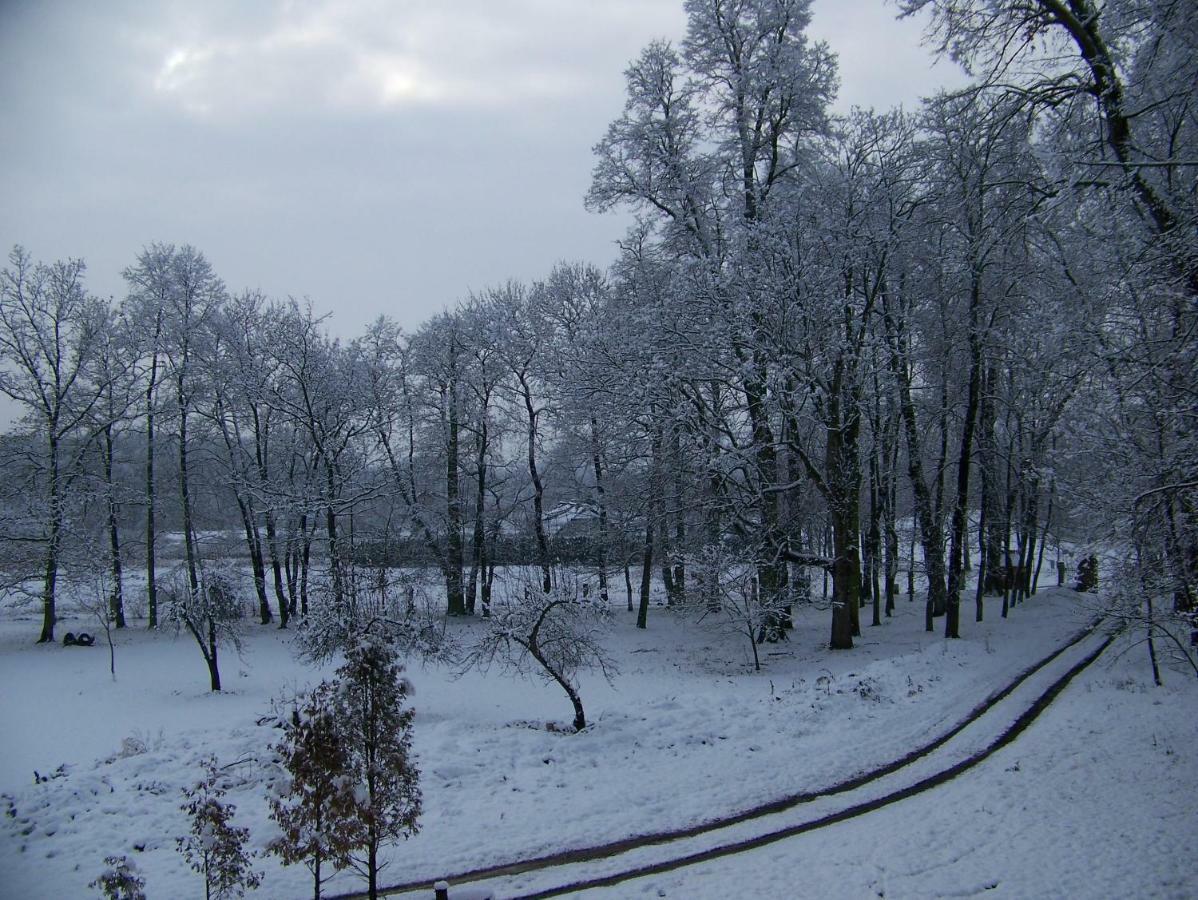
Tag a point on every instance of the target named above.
point(1096, 799)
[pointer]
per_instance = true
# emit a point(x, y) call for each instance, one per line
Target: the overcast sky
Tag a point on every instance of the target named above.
point(377, 156)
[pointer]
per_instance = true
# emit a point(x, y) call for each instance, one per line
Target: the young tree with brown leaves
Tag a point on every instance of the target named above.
point(317, 810)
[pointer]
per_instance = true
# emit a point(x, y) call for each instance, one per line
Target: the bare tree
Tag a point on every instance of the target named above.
point(321, 388)
point(524, 352)
point(211, 613)
point(551, 634)
point(414, 388)
point(1097, 45)
point(50, 336)
point(145, 309)
point(180, 284)
point(114, 379)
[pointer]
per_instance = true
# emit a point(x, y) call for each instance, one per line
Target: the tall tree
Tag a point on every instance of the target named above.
point(704, 143)
point(486, 374)
point(322, 388)
point(394, 373)
point(442, 358)
point(51, 333)
point(525, 352)
point(145, 307)
point(115, 382)
point(573, 303)
point(189, 292)
point(1099, 44)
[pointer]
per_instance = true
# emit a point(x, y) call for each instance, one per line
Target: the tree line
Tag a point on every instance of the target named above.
point(914, 340)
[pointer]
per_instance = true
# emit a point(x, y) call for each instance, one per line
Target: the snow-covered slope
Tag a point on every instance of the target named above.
point(685, 732)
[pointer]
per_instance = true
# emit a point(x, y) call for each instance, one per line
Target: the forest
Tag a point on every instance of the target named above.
point(976, 318)
point(945, 355)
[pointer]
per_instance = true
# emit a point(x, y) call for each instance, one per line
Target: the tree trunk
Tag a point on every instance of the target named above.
point(478, 538)
point(799, 590)
point(843, 470)
point(538, 497)
point(151, 496)
point(601, 503)
point(261, 460)
point(988, 533)
point(372, 870)
point(305, 562)
point(960, 534)
point(116, 603)
point(453, 546)
point(1030, 529)
point(193, 577)
point(336, 570)
point(211, 659)
point(942, 461)
point(253, 541)
point(534, 648)
point(679, 470)
point(291, 566)
point(628, 581)
point(983, 566)
point(911, 567)
point(1150, 629)
point(53, 541)
point(276, 567)
point(890, 519)
point(1008, 519)
point(873, 537)
point(1006, 548)
point(664, 562)
point(642, 617)
point(846, 576)
point(1052, 494)
point(771, 567)
point(485, 588)
point(929, 525)
point(712, 528)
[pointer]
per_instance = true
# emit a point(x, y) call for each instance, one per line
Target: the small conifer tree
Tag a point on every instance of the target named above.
point(377, 734)
point(215, 847)
point(317, 810)
point(121, 880)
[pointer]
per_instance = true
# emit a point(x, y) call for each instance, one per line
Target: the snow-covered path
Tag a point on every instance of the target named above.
point(993, 724)
point(1095, 800)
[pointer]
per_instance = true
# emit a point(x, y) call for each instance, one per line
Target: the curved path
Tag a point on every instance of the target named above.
point(1020, 725)
point(784, 803)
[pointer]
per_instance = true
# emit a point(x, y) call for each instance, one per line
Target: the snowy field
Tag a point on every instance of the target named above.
point(1095, 800)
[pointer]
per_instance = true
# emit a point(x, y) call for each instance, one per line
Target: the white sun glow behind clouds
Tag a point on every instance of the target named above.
point(376, 56)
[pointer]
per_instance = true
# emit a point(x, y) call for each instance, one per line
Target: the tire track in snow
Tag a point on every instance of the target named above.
point(786, 802)
point(1026, 718)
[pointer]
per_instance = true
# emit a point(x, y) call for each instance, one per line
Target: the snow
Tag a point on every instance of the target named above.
point(1094, 800)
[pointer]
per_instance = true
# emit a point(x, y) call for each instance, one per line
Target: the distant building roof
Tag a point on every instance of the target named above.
point(570, 512)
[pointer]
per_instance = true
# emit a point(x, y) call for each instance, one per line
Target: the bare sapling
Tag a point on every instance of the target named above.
point(553, 635)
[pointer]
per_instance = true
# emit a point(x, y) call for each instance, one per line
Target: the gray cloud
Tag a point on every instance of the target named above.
point(379, 156)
